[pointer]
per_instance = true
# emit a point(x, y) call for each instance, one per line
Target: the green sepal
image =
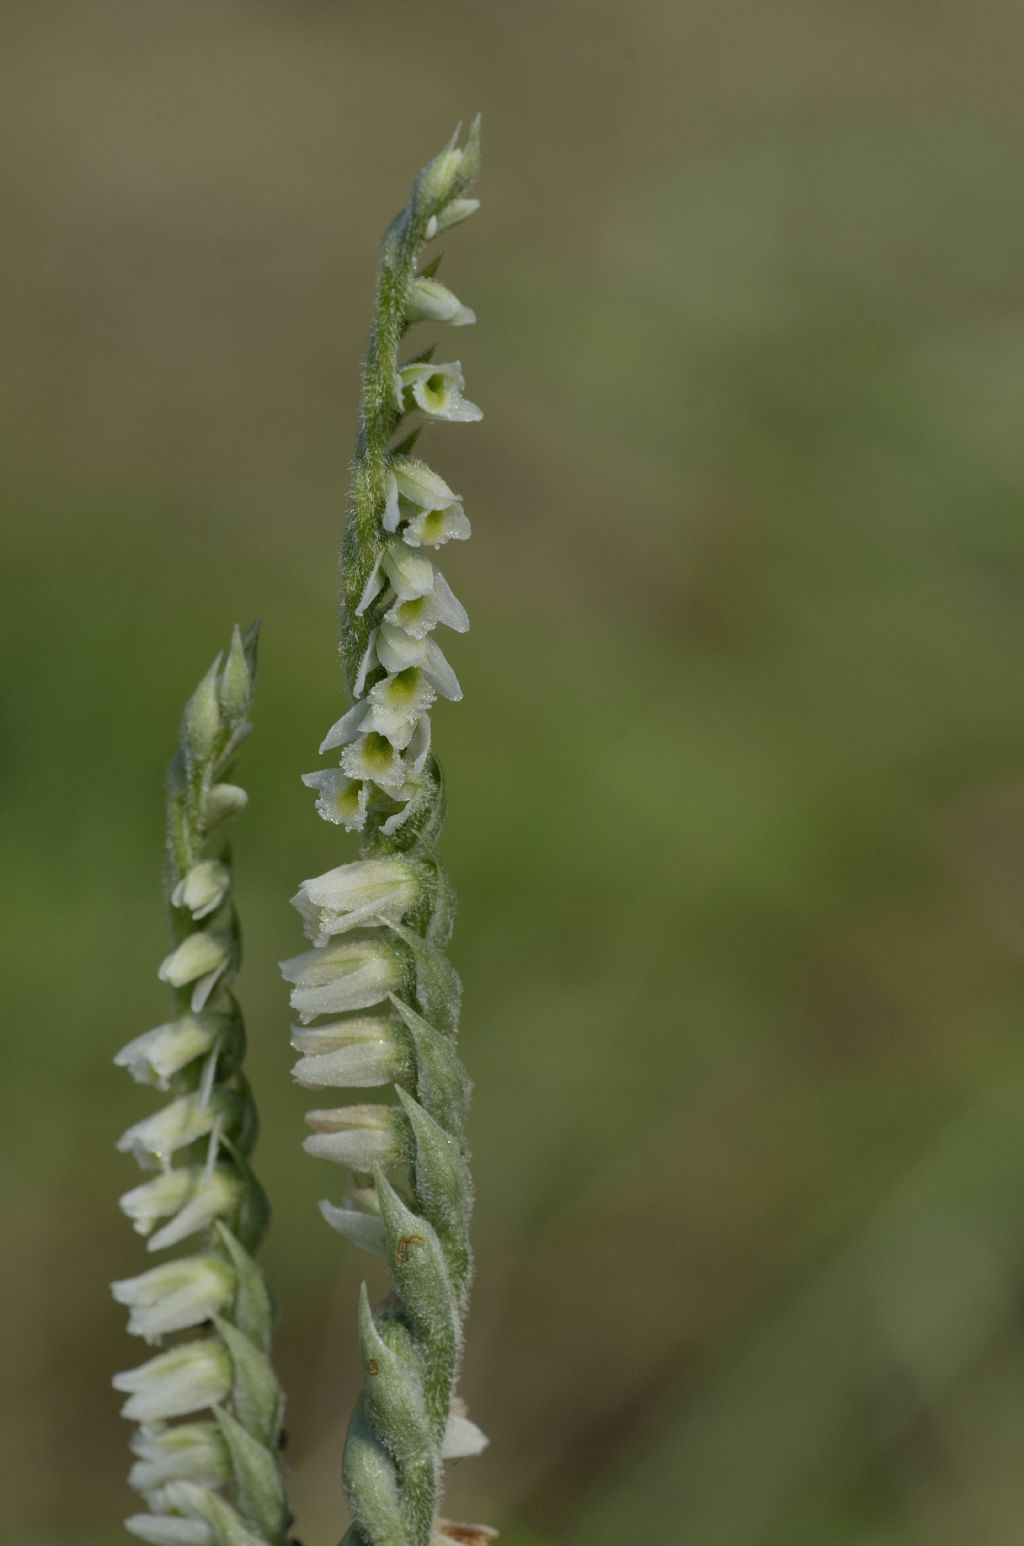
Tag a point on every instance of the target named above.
point(419, 1272)
point(253, 1212)
point(259, 1489)
point(438, 987)
point(247, 1129)
point(405, 446)
point(225, 1521)
point(443, 1187)
point(255, 1393)
point(441, 1082)
point(370, 1481)
point(433, 913)
point(253, 1309)
point(394, 1399)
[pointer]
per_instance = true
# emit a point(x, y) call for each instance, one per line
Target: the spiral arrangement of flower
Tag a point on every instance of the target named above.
point(208, 1405)
point(376, 997)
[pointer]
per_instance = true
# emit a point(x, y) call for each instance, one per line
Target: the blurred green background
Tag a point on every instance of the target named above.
point(737, 805)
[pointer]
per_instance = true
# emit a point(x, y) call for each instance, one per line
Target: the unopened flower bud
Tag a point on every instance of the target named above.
point(355, 1053)
point(453, 213)
point(431, 301)
point(452, 170)
point(360, 1136)
point(187, 1197)
point(223, 801)
point(157, 1055)
point(175, 1126)
point(203, 888)
point(193, 1452)
point(200, 959)
point(176, 1294)
point(196, 956)
point(351, 974)
point(170, 1530)
point(186, 1379)
point(368, 891)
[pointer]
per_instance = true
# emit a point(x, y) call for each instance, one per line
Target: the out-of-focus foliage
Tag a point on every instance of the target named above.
point(742, 734)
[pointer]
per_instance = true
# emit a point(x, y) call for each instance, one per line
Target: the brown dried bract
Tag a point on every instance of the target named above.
point(469, 1535)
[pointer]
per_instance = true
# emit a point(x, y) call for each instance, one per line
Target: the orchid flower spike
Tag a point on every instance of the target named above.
point(375, 995)
point(209, 1406)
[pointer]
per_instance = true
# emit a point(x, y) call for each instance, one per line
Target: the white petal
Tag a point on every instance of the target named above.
point(354, 974)
point(358, 1136)
point(190, 1377)
point(397, 651)
point(440, 672)
point(366, 665)
point(431, 301)
point(344, 729)
point(170, 1530)
point(176, 1295)
point(373, 584)
point(358, 1053)
point(454, 212)
point(410, 573)
point(420, 485)
point(196, 956)
point(203, 888)
point(450, 610)
point(352, 895)
point(185, 1452)
point(363, 1230)
point(462, 1437)
point(174, 1127)
point(389, 521)
point(419, 747)
point(157, 1055)
point(207, 1197)
point(223, 800)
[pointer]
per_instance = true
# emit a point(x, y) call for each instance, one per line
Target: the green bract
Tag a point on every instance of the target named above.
point(376, 995)
point(209, 1404)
